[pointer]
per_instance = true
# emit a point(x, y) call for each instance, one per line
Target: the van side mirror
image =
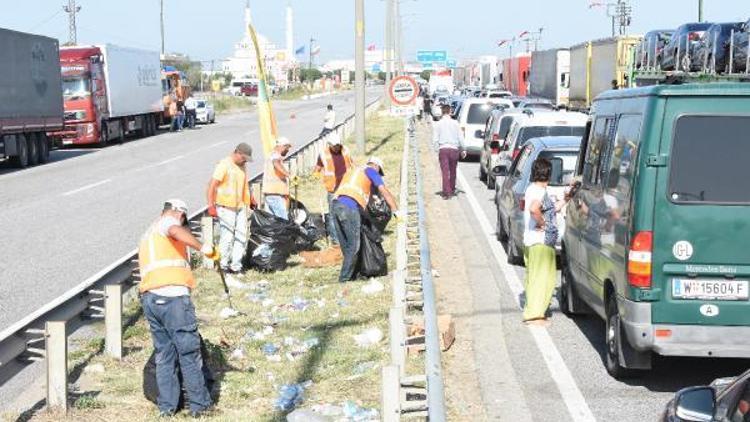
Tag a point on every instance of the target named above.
point(500, 171)
point(479, 134)
point(696, 404)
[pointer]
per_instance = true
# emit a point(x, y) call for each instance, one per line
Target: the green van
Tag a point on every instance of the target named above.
point(658, 234)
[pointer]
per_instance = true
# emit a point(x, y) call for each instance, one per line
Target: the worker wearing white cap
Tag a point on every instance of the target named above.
point(276, 180)
point(333, 163)
point(350, 201)
point(165, 286)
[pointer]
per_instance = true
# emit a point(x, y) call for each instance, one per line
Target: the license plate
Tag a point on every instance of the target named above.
point(709, 289)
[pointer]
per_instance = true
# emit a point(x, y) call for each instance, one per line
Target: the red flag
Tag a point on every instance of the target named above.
point(371, 47)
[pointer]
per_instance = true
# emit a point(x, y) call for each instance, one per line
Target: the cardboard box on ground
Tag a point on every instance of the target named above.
point(446, 327)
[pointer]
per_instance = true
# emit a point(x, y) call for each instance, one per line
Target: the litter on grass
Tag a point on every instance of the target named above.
point(227, 312)
point(270, 349)
point(369, 337)
point(235, 284)
point(238, 353)
point(357, 413)
point(373, 287)
point(290, 396)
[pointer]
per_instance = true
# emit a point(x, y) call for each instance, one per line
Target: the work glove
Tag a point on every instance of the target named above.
point(318, 175)
point(212, 211)
point(210, 252)
point(294, 180)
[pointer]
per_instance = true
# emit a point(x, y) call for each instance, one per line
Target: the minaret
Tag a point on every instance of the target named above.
point(289, 32)
point(248, 19)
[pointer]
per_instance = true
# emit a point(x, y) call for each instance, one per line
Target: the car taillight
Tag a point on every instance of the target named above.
point(515, 153)
point(639, 260)
point(522, 204)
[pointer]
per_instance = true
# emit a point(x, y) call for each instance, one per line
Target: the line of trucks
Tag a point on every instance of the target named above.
point(59, 96)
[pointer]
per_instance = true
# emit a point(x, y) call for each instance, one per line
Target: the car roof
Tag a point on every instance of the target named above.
point(554, 118)
point(556, 142)
point(735, 89)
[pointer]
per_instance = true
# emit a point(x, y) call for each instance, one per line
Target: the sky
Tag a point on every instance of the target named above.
point(207, 30)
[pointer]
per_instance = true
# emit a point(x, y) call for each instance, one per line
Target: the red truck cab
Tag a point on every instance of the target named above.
point(515, 75)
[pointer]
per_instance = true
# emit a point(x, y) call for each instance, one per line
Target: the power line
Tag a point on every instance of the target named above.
point(44, 22)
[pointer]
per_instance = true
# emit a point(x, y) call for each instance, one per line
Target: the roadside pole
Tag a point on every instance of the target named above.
point(388, 54)
point(359, 76)
point(397, 35)
point(700, 10)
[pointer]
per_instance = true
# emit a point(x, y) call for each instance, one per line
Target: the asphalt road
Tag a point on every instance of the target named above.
point(66, 220)
point(554, 373)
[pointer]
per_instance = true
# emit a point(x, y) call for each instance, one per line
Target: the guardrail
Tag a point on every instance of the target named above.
point(43, 334)
point(405, 395)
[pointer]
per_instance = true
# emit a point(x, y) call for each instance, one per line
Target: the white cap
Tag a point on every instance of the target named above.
point(282, 141)
point(176, 205)
point(333, 139)
point(378, 162)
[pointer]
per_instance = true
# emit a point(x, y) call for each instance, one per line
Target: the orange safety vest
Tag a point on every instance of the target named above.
point(273, 184)
point(329, 170)
point(233, 191)
point(163, 261)
point(356, 185)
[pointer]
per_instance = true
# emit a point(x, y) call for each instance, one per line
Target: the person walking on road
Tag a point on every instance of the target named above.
point(539, 239)
point(190, 106)
point(165, 287)
point(228, 200)
point(333, 163)
point(448, 140)
point(350, 202)
point(329, 120)
point(276, 180)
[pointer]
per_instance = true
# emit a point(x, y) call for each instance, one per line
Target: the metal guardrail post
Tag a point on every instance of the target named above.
point(113, 320)
point(390, 395)
point(57, 364)
point(398, 339)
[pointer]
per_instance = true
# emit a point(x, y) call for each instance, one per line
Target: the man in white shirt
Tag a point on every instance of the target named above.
point(449, 141)
point(329, 120)
point(190, 113)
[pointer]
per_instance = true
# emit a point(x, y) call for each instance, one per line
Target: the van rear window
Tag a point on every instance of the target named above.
point(709, 160)
point(530, 132)
point(478, 114)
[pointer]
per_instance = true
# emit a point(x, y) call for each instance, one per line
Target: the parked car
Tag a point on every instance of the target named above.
point(725, 399)
point(204, 112)
point(537, 103)
point(495, 131)
point(496, 93)
point(472, 119)
point(741, 41)
point(535, 124)
point(711, 53)
point(649, 49)
point(637, 249)
point(675, 55)
point(562, 151)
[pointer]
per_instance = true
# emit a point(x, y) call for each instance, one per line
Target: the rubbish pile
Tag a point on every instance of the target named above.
point(272, 240)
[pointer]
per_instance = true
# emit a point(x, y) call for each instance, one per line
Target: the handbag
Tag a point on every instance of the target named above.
point(550, 221)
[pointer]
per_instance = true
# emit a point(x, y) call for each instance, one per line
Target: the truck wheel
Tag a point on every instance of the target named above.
point(570, 303)
point(33, 148)
point(22, 159)
point(614, 339)
point(43, 148)
point(104, 135)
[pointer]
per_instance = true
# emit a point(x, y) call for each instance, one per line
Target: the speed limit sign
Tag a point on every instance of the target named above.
point(403, 90)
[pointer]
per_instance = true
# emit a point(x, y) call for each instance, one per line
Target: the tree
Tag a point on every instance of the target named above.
point(381, 76)
point(310, 75)
point(425, 75)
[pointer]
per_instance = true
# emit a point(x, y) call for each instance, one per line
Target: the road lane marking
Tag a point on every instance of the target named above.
point(87, 187)
point(217, 144)
point(161, 163)
point(575, 402)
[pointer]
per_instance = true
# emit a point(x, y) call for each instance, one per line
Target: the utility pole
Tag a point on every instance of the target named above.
point(312, 40)
point(161, 20)
point(397, 35)
point(359, 75)
point(388, 53)
point(71, 9)
point(700, 10)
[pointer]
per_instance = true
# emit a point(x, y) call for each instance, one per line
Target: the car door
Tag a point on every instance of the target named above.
point(509, 197)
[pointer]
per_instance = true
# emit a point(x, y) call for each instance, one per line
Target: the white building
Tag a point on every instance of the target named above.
point(373, 63)
point(278, 61)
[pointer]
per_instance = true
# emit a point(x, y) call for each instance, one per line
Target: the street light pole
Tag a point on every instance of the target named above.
point(359, 74)
point(700, 10)
point(388, 53)
point(161, 20)
point(397, 35)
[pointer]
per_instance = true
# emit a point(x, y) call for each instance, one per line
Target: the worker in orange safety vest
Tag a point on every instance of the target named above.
point(333, 163)
point(165, 287)
point(276, 180)
point(228, 200)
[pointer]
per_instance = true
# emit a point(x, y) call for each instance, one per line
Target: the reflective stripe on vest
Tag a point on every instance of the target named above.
point(233, 191)
point(273, 184)
point(163, 261)
point(329, 168)
point(356, 185)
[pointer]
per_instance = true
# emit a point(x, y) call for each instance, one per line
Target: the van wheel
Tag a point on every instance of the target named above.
point(570, 303)
point(614, 339)
point(21, 160)
point(500, 233)
point(32, 145)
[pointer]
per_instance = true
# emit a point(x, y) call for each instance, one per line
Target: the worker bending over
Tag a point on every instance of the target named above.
point(276, 179)
point(166, 283)
point(350, 202)
point(228, 199)
point(333, 163)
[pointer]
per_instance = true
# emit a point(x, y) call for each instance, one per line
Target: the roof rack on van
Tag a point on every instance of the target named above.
point(659, 77)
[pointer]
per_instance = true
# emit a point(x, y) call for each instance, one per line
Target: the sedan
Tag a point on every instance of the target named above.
point(562, 151)
point(204, 112)
point(675, 55)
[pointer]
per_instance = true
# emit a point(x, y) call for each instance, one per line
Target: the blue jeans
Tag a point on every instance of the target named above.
point(330, 225)
point(276, 205)
point(174, 331)
point(232, 237)
point(348, 227)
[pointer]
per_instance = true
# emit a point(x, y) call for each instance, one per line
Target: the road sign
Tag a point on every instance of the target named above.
point(403, 90)
point(431, 56)
point(451, 63)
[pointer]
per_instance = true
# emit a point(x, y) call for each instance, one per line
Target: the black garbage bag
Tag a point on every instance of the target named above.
point(271, 241)
point(312, 230)
point(151, 388)
point(378, 212)
point(372, 261)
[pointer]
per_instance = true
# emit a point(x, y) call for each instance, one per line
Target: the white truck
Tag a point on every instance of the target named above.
point(441, 81)
point(549, 76)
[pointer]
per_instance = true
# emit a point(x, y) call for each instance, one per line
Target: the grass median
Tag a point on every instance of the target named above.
point(299, 329)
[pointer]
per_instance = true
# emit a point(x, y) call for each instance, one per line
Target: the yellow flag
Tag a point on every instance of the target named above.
point(266, 119)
